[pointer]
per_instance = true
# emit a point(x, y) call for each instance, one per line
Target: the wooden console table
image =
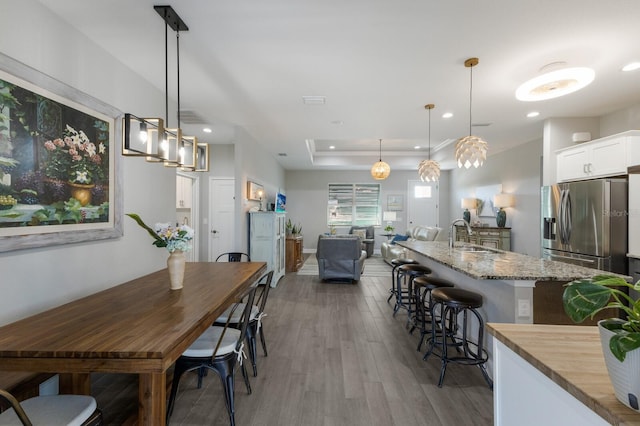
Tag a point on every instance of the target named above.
point(137, 327)
point(295, 259)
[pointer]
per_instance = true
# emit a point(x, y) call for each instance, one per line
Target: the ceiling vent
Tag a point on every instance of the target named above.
point(190, 117)
point(313, 100)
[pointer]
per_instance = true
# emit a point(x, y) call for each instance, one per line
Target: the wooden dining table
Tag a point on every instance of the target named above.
point(139, 327)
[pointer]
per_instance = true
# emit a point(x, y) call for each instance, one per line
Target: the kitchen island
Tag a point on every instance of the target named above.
point(553, 375)
point(506, 281)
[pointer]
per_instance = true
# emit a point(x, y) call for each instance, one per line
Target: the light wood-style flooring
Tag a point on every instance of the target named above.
point(337, 356)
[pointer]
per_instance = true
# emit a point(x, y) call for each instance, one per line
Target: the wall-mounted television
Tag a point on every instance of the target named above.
point(281, 203)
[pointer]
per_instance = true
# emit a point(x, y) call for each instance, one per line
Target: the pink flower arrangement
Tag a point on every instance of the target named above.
point(74, 158)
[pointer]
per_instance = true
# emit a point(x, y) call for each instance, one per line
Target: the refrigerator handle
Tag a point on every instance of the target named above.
point(568, 217)
point(561, 217)
point(555, 256)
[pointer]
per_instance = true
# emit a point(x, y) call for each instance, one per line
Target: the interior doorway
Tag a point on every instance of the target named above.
point(222, 211)
point(422, 203)
point(187, 211)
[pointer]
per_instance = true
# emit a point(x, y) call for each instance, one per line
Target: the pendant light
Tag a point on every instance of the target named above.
point(380, 170)
point(471, 150)
point(429, 170)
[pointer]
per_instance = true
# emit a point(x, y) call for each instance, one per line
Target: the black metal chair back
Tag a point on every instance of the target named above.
point(234, 256)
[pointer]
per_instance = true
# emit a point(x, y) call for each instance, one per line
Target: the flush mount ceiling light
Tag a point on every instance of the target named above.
point(429, 170)
point(380, 170)
point(470, 150)
point(555, 84)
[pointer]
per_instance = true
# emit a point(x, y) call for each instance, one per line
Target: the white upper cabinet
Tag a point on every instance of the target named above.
point(608, 156)
point(183, 192)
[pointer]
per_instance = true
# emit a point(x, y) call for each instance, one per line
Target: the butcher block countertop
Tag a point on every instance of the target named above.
point(571, 356)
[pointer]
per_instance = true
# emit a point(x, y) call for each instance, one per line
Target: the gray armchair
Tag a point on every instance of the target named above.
point(367, 237)
point(340, 257)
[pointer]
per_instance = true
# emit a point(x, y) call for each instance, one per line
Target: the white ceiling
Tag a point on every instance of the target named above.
point(249, 63)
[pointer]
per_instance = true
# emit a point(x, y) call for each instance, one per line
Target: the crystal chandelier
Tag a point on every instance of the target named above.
point(429, 170)
point(471, 150)
point(380, 170)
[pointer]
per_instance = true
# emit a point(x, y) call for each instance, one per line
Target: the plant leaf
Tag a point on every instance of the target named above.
point(583, 298)
point(623, 342)
point(158, 241)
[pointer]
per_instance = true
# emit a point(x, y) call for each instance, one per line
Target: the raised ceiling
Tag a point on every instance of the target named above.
point(249, 64)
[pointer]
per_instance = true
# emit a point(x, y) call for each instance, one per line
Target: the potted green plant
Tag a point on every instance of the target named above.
point(389, 229)
point(620, 337)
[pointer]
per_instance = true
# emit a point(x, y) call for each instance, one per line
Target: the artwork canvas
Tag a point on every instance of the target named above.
point(485, 194)
point(281, 203)
point(395, 203)
point(58, 172)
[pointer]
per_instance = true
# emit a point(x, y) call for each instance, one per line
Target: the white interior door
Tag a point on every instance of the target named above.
point(422, 203)
point(221, 216)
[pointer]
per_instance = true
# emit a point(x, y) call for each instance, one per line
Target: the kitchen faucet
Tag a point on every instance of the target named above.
point(451, 230)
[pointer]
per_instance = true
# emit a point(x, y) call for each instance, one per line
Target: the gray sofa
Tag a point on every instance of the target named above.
point(340, 257)
point(391, 251)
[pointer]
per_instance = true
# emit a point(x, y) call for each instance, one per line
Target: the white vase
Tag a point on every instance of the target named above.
point(176, 265)
point(624, 376)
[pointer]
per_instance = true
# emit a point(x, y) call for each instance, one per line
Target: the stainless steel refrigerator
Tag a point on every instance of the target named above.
point(585, 223)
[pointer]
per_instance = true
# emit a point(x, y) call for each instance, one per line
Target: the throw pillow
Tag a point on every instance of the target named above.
point(362, 233)
point(399, 237)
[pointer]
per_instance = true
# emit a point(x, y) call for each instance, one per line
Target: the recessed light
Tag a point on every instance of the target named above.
point(332, 147)
point(416, 147)
point(337, 122)
point(533, 114)
point(207, 130)
point(631, 67)
point(447, 115)
point(555, 84)
point(282, 154)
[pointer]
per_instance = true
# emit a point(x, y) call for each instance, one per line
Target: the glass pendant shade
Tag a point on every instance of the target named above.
point(380, 170)
point(429, 170)
point(471, 151)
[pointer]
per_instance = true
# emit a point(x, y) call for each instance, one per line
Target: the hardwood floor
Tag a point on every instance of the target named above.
point(336, 357)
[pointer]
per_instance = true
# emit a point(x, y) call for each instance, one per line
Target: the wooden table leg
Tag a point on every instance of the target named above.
point(152, 399)
point(75, 383)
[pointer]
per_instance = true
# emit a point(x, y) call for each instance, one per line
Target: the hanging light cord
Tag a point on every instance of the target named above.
point(470, 95)
point(178, 70)
point(380, 149)
point(166, 73)
point(429, 133)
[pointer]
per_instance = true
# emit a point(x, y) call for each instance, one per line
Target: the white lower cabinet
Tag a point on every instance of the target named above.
point(267, 241)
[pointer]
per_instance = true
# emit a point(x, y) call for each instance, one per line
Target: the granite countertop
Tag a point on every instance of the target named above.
point(554, 349)
point(633, 255)
point(499, 264)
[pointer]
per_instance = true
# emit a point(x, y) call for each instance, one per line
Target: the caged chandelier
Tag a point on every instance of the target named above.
point(380, 170)
point(471, 150)
point(429, 170)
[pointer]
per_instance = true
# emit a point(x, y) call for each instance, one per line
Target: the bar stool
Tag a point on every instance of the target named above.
point(404, 298)
point(395, 263)
point(423, 286)
point(452, 302)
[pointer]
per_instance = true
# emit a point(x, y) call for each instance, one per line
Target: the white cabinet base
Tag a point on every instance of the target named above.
point(523, 396)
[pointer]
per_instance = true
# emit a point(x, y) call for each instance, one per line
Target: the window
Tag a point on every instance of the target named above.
point(354, 204)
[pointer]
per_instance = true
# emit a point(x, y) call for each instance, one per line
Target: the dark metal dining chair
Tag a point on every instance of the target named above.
point(220, 349)
point(256, 327)
point(233, 256)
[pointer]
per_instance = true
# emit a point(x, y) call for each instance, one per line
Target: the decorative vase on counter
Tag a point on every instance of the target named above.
point(625, 375)
point(176, 265)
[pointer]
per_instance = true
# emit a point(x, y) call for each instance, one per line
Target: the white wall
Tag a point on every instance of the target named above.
point(307, 195)
point(34, 280)
point(518, 171)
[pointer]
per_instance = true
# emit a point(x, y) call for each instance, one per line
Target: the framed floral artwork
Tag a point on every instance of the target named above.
point(59, 174)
